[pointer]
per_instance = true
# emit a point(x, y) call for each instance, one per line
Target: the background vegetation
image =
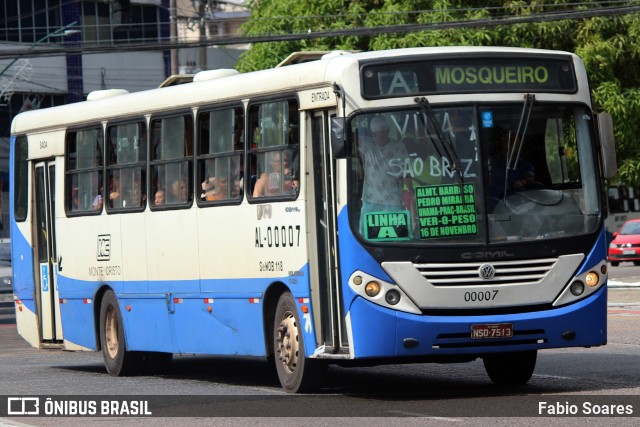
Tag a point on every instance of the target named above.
point(607, 44)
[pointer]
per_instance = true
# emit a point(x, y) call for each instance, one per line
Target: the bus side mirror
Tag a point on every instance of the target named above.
point(607, 145)
point(338, 140)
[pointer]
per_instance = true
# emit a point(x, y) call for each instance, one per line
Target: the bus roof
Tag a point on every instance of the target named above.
point(234, 87)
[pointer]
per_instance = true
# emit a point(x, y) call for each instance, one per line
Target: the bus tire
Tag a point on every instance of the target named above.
point(117, 359)
point(510, 368)
point(296, 373)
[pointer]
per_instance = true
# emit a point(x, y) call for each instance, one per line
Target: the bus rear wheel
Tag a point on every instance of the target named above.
point(510, 368)
point(117, 359)
point(296, 373)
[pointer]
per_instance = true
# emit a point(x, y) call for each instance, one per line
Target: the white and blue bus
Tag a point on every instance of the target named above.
point(414, 205)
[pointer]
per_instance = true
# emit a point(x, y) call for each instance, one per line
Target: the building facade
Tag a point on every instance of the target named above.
point(98, 30)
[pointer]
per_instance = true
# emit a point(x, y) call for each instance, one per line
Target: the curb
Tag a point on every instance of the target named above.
point(619, 284)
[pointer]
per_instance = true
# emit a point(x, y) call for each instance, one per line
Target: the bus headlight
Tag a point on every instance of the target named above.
point(584, 284)
point(392, 297)
point(592, 279)
point(577, 288)
point(381, 292)
point(372, 289)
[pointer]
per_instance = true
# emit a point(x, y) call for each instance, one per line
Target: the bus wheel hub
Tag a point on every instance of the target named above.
point(287, 340)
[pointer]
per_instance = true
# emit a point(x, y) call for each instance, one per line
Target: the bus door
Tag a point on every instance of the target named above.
point(328, 310)
point(46, 292)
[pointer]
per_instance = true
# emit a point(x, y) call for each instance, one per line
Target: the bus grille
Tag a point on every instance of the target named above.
point(506, 272)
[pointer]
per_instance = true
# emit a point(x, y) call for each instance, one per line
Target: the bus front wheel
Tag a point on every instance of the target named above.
point(297, 374)
point(117, 360)
point(510, 368)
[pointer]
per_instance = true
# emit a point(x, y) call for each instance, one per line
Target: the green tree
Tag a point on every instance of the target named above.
point(606, 44)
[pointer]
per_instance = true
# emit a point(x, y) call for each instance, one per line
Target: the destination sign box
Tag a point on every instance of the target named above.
point(469, 75)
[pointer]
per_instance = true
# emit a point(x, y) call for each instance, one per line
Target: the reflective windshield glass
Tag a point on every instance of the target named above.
point(418, 176)
point(473, 174)
point(630, 228)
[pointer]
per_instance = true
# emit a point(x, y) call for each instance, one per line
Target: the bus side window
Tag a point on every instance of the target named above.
point(220, 156)
point(126, 167)
point(172, 161)
point(274, 156)
point(21, 179)
point(84, 162)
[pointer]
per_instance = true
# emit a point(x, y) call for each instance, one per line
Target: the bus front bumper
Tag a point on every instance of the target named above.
point(378, 332)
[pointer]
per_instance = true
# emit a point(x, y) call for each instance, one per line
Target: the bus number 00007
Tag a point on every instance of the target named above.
point(480, 296)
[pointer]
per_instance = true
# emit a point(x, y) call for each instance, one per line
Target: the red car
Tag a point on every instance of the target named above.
point(625, 245)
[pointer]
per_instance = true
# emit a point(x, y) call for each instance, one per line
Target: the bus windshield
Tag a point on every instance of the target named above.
point(474, 173)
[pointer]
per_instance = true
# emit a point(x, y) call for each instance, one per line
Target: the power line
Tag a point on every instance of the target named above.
point(359, 31)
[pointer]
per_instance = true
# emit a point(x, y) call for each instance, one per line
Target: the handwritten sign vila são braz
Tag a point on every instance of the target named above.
point(446, 210)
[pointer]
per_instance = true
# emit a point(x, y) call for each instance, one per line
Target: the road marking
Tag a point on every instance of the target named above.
point(623, 312)
point(557, 377)
point(11, 423)
point(418, 414)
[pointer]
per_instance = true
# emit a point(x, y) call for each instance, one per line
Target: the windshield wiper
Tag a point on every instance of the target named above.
point(513, 153)
point(443, 139)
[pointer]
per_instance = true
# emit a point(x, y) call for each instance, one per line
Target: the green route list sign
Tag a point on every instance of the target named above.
point(446, 210)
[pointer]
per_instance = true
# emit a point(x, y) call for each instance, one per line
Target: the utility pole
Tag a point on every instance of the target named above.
point(173, 34)
point(203, 34)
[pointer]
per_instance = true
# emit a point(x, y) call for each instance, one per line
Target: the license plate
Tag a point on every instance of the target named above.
point(498, 330)
point(628, 252)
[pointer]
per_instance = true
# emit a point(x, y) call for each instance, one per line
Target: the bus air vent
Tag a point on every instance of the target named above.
point(505, 272)
point(214, 74)
point(105, 93)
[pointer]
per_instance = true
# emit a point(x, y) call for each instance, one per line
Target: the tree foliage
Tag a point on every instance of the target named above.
point(606, 44)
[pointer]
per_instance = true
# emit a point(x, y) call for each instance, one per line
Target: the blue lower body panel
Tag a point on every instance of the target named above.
point(78, 322)
point(380, 332)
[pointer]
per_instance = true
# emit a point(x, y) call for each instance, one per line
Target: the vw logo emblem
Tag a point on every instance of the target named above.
point(486, 271)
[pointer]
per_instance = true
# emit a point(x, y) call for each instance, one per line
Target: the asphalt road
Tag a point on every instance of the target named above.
point(242, 391)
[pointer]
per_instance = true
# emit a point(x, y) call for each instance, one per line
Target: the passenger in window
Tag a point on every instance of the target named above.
point(179, 191)
point(138, 196)
point(208, 187)
point(159, 198)
point(236, 189)
point(97, 201)
point(75, 200)
point(237, 176)
point(277, 179)
point(216, 188)
point(115, 199)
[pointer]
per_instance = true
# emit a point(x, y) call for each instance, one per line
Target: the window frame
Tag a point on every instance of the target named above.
point(256, 154)
point(20, 178)
point(70, 173)
point(140, 163)
point(238, 150)
point(188, 158)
